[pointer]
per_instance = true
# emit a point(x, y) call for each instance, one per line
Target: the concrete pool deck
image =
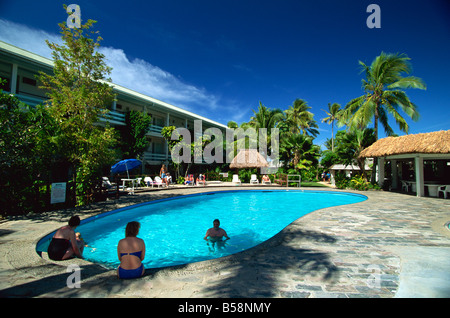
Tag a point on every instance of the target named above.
point(391, 245)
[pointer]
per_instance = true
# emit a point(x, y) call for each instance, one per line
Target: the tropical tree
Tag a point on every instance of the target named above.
point(78, 94)
point(232, 124)
point(300, 119)
point(349, 145)
point(268, 119)
point(383, 94)
point(133, 135)
point(298, 151)
point(333, 113)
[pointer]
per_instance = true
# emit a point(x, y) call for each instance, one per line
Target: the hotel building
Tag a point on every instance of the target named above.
point(20, 67)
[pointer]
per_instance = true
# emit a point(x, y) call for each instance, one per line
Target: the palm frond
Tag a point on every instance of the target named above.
point(408, 82)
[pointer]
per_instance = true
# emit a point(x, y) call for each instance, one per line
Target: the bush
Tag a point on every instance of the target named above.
point(341, 181)
point(180, 180)
point(356, 183)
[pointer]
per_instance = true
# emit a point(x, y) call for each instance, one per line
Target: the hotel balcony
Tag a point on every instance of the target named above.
point(155, 157)
point(114, 118)
point(155, 130)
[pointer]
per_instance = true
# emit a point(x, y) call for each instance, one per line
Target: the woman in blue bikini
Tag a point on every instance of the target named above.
point(131, 253)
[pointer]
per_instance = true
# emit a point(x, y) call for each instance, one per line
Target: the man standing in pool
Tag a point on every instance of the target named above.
point(216, 234)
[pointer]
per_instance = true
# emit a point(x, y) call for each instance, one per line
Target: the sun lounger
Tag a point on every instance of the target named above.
point(254, 179)
point(148, 182)
point(159, 182)
point(236, 179)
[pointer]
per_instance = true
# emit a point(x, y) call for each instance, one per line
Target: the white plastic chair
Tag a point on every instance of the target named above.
point(138, 182)
point(254, 179)
point(148, 181)
point(236, 179)
point(444, 189)
point(159, 182)
point(405, 186)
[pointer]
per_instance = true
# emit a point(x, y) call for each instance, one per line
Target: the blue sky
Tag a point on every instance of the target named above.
point(220, 58)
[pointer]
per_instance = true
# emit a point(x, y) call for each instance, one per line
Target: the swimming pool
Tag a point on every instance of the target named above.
point(173, 229)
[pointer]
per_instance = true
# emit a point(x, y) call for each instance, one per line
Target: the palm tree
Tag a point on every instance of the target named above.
point(333, 115)
point(300, 119)
point(268, 119)
point(383, 87)
point(299, 151)
point(351, 143)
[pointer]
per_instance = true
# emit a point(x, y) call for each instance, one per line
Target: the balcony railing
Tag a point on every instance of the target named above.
point(113, 117)
point(28, 99)
point(149, 156)
point(155, 129)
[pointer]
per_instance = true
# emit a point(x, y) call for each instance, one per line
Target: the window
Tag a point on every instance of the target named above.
point(29, 81)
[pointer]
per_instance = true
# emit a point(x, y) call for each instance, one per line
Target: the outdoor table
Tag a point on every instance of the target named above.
point(128, 180)
point(433, 189)
point(413, 186)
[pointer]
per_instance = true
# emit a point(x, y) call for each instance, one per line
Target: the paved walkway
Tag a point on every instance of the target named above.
point(392, 245)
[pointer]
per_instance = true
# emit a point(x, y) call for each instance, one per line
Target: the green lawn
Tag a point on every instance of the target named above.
point(313, 184)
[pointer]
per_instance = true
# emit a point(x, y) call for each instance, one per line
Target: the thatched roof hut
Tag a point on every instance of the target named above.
point(433, 146)
point(248, 158)
point(428, 143)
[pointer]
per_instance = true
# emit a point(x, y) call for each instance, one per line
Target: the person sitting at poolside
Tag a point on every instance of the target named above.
point(131, 253)
point(64, 243)
point(189, 179)
point(201, 179)
point(216, 234)
point(265, 179)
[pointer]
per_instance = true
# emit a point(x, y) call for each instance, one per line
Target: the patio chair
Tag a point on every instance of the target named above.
point(106, 184)
point(444, 189)
point(236, 179)
point(148, 182)
point(254, 179)
point(138, 182)
point(405, 186)
point(159, 182)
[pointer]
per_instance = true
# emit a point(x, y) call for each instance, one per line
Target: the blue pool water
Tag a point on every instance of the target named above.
point(173, 229)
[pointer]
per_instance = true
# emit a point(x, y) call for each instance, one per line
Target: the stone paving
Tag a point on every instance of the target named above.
point(357, 250)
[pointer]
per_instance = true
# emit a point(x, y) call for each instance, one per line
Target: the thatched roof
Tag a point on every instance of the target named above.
point(248, 158)
point(429, 143)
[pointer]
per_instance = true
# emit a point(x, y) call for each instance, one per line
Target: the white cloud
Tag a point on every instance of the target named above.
point(151, 80)
point(137, 74)
point(27, 38)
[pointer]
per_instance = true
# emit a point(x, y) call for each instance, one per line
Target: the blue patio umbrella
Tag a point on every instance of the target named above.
point(125, 165)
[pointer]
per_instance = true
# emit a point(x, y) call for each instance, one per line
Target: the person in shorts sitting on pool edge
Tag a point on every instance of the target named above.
point(64, 243)
point(216, 234)
point(131, 253)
